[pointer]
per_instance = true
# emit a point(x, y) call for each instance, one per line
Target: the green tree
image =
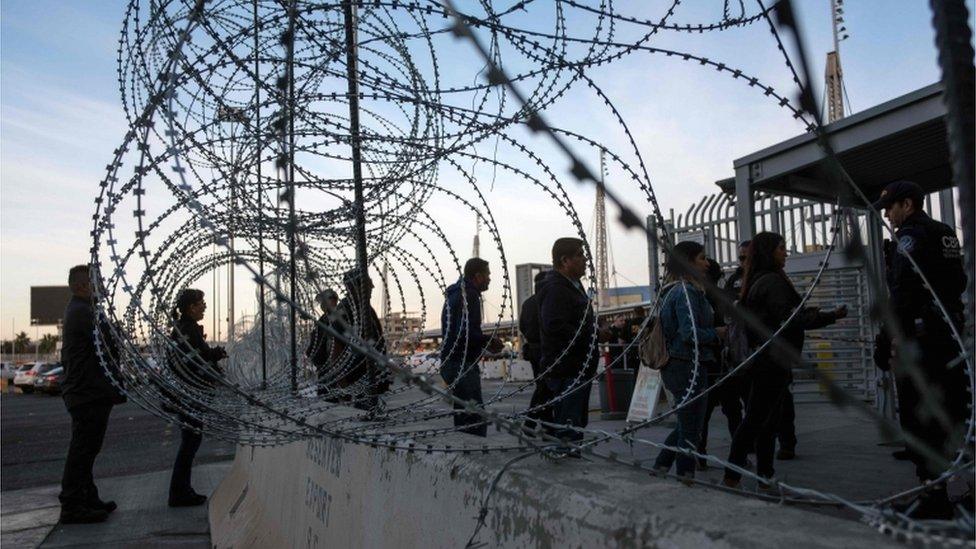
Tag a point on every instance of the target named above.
point(22, 343)
point(48, 343)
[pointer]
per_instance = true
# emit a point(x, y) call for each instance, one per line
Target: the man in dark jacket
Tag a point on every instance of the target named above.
point(320, 344)
point(89, 396)
point(568, 337)
point(464, 342)
point(935, 249)
point(532, 352)
point(346, 366)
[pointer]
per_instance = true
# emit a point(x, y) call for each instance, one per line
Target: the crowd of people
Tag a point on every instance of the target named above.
point(701, 320)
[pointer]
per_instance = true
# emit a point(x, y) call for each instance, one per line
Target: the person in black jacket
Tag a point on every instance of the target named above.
point(730, 395)
point(935, 249)
point(568, 337)
point(464, 343)
point(769, 295)
point(89, 396)
point(320, 344)
point(195, 364)
point(349, 369)
point(532, 352)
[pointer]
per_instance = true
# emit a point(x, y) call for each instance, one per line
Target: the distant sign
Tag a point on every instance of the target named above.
point(47, 304)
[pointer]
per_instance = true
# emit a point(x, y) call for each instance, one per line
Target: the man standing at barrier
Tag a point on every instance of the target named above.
point(89, 397)
point(532, 351)
point(349, 368)
point(464, 342)
point(940, 380)
point(569, 341)
point(320, 346)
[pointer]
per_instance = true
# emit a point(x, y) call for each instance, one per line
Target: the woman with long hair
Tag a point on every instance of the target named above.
point(769, 295)
point(687, 323)
point(195, 364)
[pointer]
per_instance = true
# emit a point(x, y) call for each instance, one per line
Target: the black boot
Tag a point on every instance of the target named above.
point(82, 515)
point(187, 500)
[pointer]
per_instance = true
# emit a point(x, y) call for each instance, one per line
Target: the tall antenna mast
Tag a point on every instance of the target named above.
point(600, 217)
point(476, 248)
point(833, 74)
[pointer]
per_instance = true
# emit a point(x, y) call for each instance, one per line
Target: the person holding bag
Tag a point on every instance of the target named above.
point(687, 325)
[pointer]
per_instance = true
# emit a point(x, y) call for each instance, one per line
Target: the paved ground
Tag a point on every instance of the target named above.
point(838, 451)
point(142, 519)
point(34, 434)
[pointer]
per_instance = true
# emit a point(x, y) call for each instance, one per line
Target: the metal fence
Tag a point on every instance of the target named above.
point(843, 351)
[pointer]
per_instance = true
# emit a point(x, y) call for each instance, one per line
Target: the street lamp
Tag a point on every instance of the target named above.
point(233, 116)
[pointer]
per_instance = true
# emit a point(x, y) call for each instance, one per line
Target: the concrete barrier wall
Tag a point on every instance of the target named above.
point(326, 493)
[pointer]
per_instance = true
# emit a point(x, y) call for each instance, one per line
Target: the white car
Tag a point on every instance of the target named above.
point(425, 363)
point(27, 375)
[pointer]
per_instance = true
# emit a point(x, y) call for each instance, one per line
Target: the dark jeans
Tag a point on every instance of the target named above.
point(677, 378)
point(768, 387)
point(468, 387)
point(786, 428)
point(731, 396)
point(190, 439)
point(88, 424)
point(540, 396)
point(571, 409)
point(949, 387)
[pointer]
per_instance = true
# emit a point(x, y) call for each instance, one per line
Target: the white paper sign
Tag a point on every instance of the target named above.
point(647, 392)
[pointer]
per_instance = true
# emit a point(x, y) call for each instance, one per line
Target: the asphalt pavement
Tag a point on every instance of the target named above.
point(35, 430)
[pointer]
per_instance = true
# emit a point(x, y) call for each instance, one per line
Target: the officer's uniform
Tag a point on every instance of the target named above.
point(935, 248)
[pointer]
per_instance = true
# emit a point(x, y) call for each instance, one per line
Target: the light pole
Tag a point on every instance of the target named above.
point(37, 341)
point(233, 116)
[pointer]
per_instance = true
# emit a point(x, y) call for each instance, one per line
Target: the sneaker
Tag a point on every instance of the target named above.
point(786, 454)
point(107, 506)
point(83, 515)
point(732, 483)
point(701, 464)
point(901, 455)
point(934, 505)
point(189, 500)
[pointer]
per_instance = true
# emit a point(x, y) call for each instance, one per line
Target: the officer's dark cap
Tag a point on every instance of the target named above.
point(899, 190)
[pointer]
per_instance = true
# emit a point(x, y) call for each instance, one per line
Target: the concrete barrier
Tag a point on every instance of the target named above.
point(328, 493)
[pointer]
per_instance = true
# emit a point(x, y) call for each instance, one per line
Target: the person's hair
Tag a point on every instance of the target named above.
point(714, 273)
point(77, 275)
point(759, 259)
point(679, 262)
point(325, 295)
point(187, 297)
point(565, 247)
point(474, 266)
point(539, 276)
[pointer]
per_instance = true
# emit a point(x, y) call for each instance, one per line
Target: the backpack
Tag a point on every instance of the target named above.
point(737, 346)
point(653, 347)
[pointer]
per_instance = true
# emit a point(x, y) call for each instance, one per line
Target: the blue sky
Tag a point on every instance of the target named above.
point(61, 117)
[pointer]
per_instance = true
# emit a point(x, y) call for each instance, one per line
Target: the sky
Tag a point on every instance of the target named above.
point(61, 118)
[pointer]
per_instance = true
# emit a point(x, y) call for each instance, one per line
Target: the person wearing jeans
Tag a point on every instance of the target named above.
point(687, 323)
point(464, 343)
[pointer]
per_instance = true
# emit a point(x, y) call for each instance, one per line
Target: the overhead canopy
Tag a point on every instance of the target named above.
point(904, 138)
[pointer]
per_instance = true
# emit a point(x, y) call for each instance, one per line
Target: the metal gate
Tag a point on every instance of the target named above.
point(844, 350)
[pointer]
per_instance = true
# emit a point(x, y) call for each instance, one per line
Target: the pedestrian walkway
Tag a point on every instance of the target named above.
point(30, 516)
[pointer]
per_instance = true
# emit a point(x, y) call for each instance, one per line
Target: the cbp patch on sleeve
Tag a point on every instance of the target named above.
point(906, 244)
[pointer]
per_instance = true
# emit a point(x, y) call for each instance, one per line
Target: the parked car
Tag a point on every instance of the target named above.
point(27, 375)
point(50, 382)
point(426, 363)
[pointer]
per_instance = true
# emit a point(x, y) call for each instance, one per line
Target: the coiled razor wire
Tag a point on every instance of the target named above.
point(238, 145)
